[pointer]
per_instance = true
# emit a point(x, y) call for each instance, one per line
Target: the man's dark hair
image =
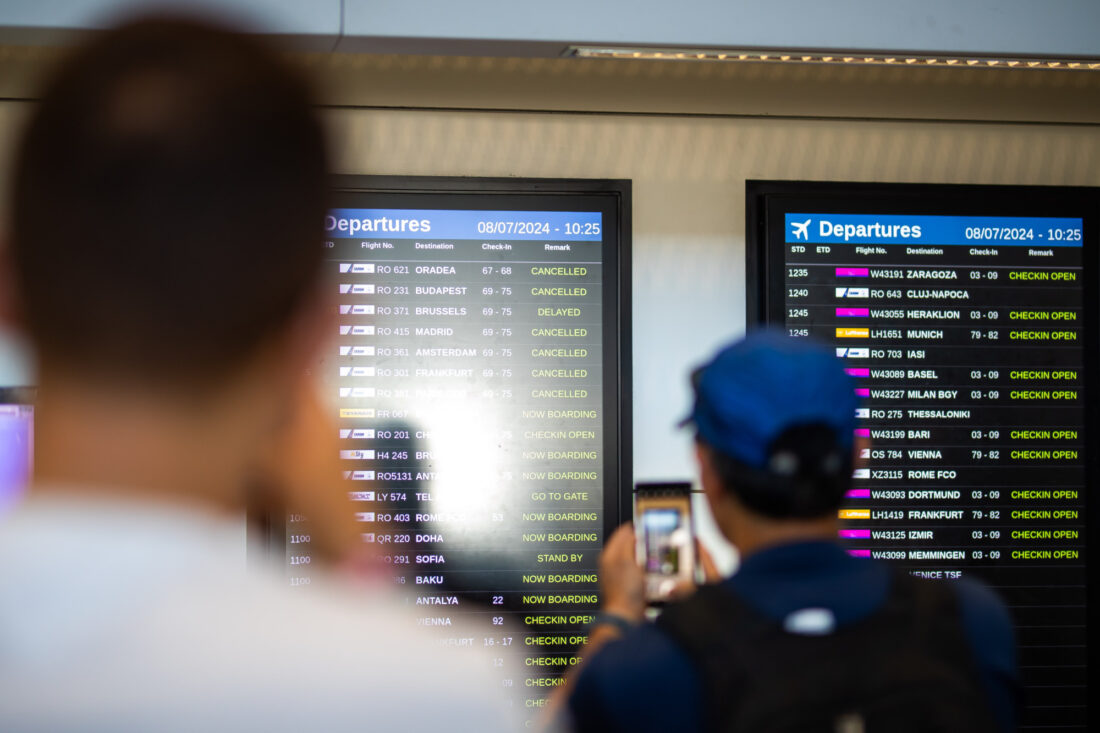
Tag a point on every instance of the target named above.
point(807, 474)
point(168, 203)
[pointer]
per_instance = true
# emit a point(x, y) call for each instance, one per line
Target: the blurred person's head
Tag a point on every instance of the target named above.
point(165, 243)
point(167, 203)
point(775, 423)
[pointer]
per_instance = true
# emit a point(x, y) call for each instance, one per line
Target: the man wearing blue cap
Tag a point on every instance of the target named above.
point(803, 636)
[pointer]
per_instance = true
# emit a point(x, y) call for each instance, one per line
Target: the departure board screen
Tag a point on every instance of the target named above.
point(477, 378)
point(967, 316)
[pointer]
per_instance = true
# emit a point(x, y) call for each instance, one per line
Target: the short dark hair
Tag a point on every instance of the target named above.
point(807, 477)
point(167, 204)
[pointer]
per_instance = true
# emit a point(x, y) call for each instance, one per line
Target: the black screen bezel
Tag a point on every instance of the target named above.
point(24, 395)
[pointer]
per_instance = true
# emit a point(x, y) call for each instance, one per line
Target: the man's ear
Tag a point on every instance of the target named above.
point(724, 505)
point(708, 477)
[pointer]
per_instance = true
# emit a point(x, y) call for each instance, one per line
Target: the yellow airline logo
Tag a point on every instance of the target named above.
point(853, 333)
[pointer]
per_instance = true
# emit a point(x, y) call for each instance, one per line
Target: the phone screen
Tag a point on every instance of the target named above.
point(664, 536)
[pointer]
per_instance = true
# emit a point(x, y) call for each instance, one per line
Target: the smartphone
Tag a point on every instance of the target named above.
point(664, 536)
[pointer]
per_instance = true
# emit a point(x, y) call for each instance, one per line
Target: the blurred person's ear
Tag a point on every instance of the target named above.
point(301, 474)
point(298, 349)
point(299, 470)
point(289, 360)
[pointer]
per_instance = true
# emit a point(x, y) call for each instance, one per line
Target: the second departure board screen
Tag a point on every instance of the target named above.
point(968, 318)
point(476, 377)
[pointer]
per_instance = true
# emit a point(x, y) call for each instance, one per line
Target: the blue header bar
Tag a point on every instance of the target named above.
point(563, 226)
point(943, 230)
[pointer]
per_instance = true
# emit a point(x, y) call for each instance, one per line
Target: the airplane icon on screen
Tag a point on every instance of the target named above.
point(800, 230)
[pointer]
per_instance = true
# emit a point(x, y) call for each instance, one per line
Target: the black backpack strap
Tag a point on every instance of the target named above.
point(932, 607)
point(884, 669)
point(936, 613)
point(931, 612)
point(713, 626)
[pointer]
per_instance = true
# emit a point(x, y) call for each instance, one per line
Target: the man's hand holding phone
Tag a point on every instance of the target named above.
point(623, 581)
point(623, 584)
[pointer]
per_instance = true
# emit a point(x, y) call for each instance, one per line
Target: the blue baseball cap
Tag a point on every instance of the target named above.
point(755, 389)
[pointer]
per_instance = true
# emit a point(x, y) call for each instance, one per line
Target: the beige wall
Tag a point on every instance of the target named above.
point(688, 174)
point(689, 178)
point(689, 217)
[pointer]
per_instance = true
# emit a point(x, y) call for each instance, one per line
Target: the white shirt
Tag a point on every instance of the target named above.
point(117, 616)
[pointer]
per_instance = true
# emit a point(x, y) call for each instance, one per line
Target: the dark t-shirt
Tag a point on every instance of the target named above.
point(646, 682)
